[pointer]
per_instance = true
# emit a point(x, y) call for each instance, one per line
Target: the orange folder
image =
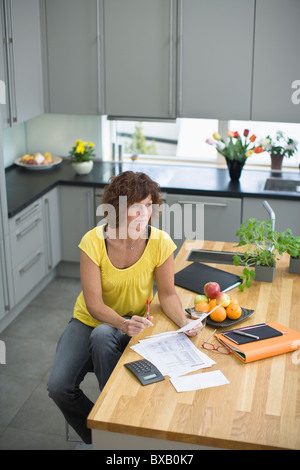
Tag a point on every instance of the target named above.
point(288, 342)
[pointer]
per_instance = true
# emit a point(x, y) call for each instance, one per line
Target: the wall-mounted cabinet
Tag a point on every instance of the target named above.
point(73, 56)
point(173, 58)
point(20, 60)
point(276, 60)
point(140, 57)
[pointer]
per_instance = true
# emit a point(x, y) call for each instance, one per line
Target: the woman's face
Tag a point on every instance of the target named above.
point(138, 215)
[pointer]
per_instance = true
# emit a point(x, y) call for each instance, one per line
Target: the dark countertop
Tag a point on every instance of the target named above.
point(25, 186)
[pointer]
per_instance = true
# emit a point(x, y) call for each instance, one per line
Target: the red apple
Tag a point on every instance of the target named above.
point(211, 289)
point(223, 298)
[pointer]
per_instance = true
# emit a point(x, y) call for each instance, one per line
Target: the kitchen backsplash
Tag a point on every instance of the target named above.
point(54, 133)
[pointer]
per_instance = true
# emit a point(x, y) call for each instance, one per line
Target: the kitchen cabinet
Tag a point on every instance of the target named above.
point(215, 58)
point(77, 217)
point(201, 217)
point(52, 228)
point(74, 62)
point(140, 61)
point(287, 212)
point(27, 249)
point(20, 58)
point(276, 60)
point(4, 301)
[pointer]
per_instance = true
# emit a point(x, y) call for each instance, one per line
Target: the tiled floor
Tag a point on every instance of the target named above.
point(28, 417)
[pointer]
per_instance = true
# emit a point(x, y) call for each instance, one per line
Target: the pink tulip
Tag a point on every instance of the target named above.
point(230, 133)
point(209, 141)
point(246, 132)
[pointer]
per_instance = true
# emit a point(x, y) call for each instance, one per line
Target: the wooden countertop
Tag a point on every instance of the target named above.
point(259, 409)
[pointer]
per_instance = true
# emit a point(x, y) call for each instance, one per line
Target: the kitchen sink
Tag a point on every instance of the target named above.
point(209, 256)
point(279, 184)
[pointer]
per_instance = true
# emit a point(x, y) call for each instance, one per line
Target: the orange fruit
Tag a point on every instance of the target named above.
point(218, 315)
point(212, 304)
point(202, 307)
point(233, 311)
point(233, 300)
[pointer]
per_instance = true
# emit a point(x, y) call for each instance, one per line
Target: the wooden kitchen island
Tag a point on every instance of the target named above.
point(259, 409)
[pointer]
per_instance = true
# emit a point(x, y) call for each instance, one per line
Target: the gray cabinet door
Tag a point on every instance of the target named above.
point(276, 60)
point(215, 58)
point(52, 228)
point(139, 48)
point(201, 218)
point(77, 217)
point(287, 213)
point(26, 59)
point(72, 56)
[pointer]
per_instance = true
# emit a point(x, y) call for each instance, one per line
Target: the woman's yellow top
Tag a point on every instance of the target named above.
point(124, 290)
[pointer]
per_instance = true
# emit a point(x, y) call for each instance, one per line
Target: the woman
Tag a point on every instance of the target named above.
point(118, 263)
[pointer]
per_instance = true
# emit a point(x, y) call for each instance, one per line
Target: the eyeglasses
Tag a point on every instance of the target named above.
point(211, 347)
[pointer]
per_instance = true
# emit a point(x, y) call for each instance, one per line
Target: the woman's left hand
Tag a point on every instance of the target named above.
point(195, 331)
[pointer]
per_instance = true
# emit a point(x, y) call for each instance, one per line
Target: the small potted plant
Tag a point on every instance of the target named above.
point(291, 245)
point(262, 248)
point(279, 147)
point(81, 157)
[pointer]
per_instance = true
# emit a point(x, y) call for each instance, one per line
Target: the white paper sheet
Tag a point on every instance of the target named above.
point(173, 355)
point(199, 381)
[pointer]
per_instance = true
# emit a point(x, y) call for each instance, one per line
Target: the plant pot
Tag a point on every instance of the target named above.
point(265, 273)
point(235, 168)
point(83, 168)
point(294, 265)
point(276, 162)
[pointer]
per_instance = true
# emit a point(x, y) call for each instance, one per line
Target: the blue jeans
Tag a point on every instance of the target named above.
point(82, 349)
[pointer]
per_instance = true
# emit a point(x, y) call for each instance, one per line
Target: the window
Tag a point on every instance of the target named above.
point(184, 139)
point(262, 130)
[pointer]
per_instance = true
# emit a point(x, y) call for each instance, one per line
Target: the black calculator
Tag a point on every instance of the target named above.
point(145, 371)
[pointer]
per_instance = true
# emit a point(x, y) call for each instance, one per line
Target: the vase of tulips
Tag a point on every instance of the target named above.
point(236, 150)
point(279, 147)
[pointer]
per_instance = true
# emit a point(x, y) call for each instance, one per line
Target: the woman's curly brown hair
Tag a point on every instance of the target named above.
point(136, 187)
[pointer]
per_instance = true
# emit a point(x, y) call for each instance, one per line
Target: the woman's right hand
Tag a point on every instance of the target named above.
point(136, 325)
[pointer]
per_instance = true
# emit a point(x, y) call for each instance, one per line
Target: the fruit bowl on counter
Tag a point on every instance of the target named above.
point(219, 308)
point(38, 161)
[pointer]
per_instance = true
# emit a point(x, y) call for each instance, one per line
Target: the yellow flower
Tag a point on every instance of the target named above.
point(249, 153)
point(80, 148)
point(216, 136)
point(91, 145)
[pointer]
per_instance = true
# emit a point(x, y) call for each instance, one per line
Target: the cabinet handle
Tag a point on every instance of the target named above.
point(48, 236)
point(214, 204)
point(27, 229)
point(4, 275)
point(12, 66)
point(99, 55)
point(171, 60)
point(27, 214)
point(180, 46)
point(89, 209)
point(9, 78)
point(30, 263)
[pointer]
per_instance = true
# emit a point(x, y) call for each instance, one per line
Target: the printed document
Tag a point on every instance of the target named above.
point(173, 355)
point(199, 381)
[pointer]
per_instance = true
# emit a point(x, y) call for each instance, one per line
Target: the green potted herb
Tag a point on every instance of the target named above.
point(291, 245)
point(261, 250)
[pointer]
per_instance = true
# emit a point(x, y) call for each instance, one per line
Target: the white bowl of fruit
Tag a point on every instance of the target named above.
point(38, 161)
